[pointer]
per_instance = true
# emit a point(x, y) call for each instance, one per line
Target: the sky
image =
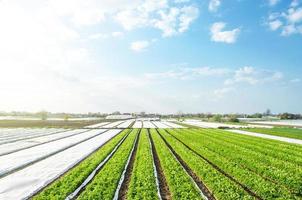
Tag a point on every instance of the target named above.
point(162, 56)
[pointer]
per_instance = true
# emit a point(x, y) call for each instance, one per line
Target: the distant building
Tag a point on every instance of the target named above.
point(127, 116)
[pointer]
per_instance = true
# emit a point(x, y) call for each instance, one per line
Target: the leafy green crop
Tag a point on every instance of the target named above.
point(284, 132)
point(142, 184)
point(218, 184)
point(104, 184)
point(179, 182)
point(234, 161)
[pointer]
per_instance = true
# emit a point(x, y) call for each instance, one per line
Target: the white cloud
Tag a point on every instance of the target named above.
point(294, 15)
point(294, 3)
point(274, 25)
point(187, 73)
point(117, 34)
point(296, 80)
point(214, 5)
point(288, 21)
point(139, 46)
point(253, 76)
point(220, 93)
point(273, 2)
point(218, 35)
point(96, 36)
point(171, 20)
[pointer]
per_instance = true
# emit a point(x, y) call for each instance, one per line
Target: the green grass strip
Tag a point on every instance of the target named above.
point(66, 184)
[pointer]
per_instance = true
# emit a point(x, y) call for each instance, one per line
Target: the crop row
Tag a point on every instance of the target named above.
point(283, 132)
point(220, 156)
point(281, 173)
point(218, 184)
point(67, 183)
point(279, 150)
point(104, 184)
point(179, 182)
point(143, 184)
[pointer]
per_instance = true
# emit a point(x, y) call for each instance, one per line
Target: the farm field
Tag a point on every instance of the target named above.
point(147, 163)
point(283, 132)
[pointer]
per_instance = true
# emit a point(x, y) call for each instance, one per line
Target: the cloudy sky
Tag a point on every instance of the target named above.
point(151, 55)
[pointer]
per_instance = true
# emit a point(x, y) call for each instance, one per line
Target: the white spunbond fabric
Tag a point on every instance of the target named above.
point(160, 125)
point(113, 124)
point(173, 125)
point(15, 146)
point(24, 157)
point(125, 124)
point(28, 131)
point(273, 137)
point(98, 125)
point(137, 124)
point(148, 124)
point(22, 184)
point(23, 136)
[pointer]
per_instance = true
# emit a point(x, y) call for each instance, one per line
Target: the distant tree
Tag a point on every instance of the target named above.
point(216, 118)
point(116, 113)
point(66, 117)
point(43, 115)
point(267, 112)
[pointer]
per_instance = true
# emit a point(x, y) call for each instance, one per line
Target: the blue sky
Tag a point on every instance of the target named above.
point(159, 56)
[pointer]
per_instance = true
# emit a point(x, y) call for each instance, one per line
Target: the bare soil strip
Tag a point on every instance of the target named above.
point(249, 191)
point(91, 176)
point(204, 190)
point(154, 167)
point(164, 188)
point(121, 190)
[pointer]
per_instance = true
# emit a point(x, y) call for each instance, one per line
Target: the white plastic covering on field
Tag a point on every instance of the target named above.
point(273, 137)
point(125, 124)
point(24, 157)
point(218, 125)
point(18, 145)
point(21, 132)
point(22, 135)
point(23, 183)
point(160, 124)
point(113, 124)
point(98, 125)
point(148, 124)
point(137, 124)
point(173, 125)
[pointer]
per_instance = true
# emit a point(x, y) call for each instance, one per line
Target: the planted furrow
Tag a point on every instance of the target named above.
point(142, 183)
point(247, 189)
point(104, 184)
point(279, 173)
point(123, 185)
point(180, 183)
point(219, 185)
point(165, 193)
point(259, 185)
point(72, 179)
point(205, 193)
